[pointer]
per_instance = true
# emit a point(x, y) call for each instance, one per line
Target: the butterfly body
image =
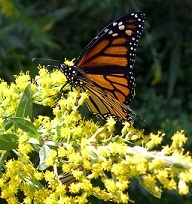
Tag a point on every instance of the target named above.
point(72, 74)
point(104, 68)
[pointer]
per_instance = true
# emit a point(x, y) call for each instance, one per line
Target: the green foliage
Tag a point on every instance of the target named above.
point(163, 76)
point(8, 142)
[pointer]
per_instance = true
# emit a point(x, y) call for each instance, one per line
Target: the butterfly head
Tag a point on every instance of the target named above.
point(70, 73)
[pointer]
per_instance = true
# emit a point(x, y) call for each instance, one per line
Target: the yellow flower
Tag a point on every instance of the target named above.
point(155, 164)
point(78, 174)
point(38, 175)
point(25, 149)
point(125, 128)
point(27, 200)
point(124, 198)
point(110, 185)
point(106, 165)
point(87, 164)
point(178, 140)
point(182, 187)
point(75, 187)
point(81, 199)
point(13, 200)
point(60, 190)
point(11, 167)
point(116, 148)
point(96, 169)
point(102, 194)
point(2, 182)
point(122, 186)
point(51, 159)
point(171, 184)
point(149, 181)
point(23, 138)
point(84, 149)
point(82, 99)
point(22, 80)
point(49, 175)
point(122, 183)
point(154, 140)
point(62, 152)
point(66, 132)
point(86, 186)
point(119, 169)
point(75, 158)
point(136, 164)
point(162, 175)
point(40, 195)
point(69, 62)
point(110, 124)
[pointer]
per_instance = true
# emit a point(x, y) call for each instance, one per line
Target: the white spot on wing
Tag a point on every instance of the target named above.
point(114, 23)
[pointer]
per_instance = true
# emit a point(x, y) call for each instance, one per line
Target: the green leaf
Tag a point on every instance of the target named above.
point(25, 125)
point(8, 124)
point(25, 106)
point(152, 191)
point(43, 154)
point(8, 141)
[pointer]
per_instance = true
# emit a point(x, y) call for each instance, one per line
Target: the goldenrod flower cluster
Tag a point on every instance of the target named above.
point(66, 158)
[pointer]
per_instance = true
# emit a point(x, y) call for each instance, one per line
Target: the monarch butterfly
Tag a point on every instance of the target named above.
point(104, 68)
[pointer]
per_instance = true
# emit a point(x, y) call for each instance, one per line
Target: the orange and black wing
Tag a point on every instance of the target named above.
point(109, 58)
point(103, 104)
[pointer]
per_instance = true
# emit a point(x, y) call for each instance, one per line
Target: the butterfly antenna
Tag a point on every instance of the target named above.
point(46, 59)
point(143, 120)
point(51, 65)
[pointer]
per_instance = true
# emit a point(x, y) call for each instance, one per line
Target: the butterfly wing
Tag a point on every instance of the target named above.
point(104, 69)
point(109, 58)
point(103, 104)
